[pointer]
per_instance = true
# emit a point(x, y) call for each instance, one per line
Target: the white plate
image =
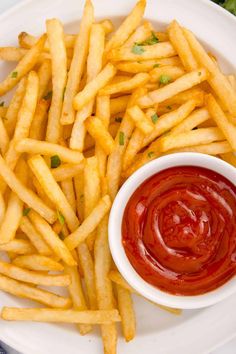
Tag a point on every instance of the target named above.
point(194, 332)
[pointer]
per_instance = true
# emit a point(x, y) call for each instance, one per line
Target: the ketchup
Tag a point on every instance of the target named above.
point(179, 230)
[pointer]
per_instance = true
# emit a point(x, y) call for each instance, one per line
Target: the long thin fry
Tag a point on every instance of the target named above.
point(18, 247)
point(4, 138)
point(38, 263)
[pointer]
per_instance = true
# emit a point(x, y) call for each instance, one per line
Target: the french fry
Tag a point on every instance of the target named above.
point(118, 104)
point(102, 263)
point(192, 94)
point(107, 26)
point(38, 263)
point(52, 239)
point(155, 51)
point(19, 289)
point(103, 112)
point(12, 53)
point(99, 132)
point(232, 80)
point(79, 191)
point(126, 85)
point(114, 164)
point(14, 106)
point(66, 316)
point(116, 277)
point(127, 27)
point(49, 149)
point(229, 157)
point(3, 111)
point(68, 170)
point(173, 73)
point(18, 247)
point(181, 46)
point(26, 195)
point(77, 296)
point(27, 41)
point(191, 138)
point(135, 67)
point(92, 191)
point(142, 122)
point(44, 74)
point(92, 88)
point(4, 138)
point(67, 187)
point(32, 277)
point(78, 63)
point(183, 83)
point(59, 75)
point(39, 122)
point(135, 143)
point(217, 148)
point(228, 129)
point(89, 224)
point(125, 305)
point(140, 34)
point(2, 208)
point(94, 66)
point(196, 118)
point(52, 189)
point(217, 80)
point(23, 67)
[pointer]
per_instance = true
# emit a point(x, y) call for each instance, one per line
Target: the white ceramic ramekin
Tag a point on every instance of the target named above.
point(115, 237)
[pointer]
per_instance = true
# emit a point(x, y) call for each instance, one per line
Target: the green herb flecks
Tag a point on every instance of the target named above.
point(55, 161)
point(121, 138)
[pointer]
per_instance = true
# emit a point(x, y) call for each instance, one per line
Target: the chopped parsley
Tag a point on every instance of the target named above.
point(137, 49)
point(55, 161)
point(60, 217)
point(156, 65)
point(26, 211)
point(164, 79)
point(118, 119)
point(14, 74)
point(48, 96)
point(2, 104)
point(154, 118)
point(122, 138)
point(151, 40)
point(151, 154)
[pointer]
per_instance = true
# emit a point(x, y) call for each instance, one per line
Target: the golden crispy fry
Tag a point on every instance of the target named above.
point(59, 75)
point(210, 149)
point(4, 138)
point(38, 263)
point(125, 305)
point(195, 93)
point(78, 63)
point(142, 122)
point(67, 187)
point(102, 263)
point(156, 51)
point(12, 53)
point(52, 239)
point(196, 118)
point(18, 247)
point(92, 88)
point(119, 104)
point(107, 26)
point(229, 157)
point(52, 189)
point(26, 291)
point(14, 106)
point(89, 224)
point(92, 191)
point(172, 72)
point(25, 194)
point(49, 149)
point(228, 129)
point(44, 74)
point(127, 27)
point(140, 34)
point(194, 137)
point(35, 237)
point(181, 46)
point(27, 41)
point(99, 132)
point(217, 80)
point(23, 67)
point(39, 122)
point(32, 277)
point(135, 67)
point(66, 316)
point(183, 83)
point(126, 85)
point(68, 170)
point(79, 191)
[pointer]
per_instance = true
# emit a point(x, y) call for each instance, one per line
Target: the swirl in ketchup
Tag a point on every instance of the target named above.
point(179, 230)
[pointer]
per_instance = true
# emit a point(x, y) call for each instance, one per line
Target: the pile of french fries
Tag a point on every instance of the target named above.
point(87, 111)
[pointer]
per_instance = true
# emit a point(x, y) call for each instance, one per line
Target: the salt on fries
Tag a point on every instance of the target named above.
point(87, 111)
